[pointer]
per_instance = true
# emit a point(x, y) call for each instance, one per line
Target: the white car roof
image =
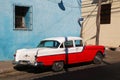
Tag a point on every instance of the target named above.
point(62, 39)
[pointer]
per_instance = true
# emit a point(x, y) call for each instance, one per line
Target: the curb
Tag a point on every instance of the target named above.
point(8, 70)
point(6, 67)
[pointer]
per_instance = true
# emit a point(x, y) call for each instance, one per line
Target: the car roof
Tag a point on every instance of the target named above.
point(63, 39)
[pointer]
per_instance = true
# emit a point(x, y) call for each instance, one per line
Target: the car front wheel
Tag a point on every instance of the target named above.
point(58, 66)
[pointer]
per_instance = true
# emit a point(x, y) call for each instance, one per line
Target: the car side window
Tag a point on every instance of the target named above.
point(68, 44)
point(78, 43)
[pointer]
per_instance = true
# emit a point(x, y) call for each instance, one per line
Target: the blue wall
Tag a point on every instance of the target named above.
point(48, 20)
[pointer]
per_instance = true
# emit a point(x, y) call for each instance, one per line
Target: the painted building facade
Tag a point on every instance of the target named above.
point(23, 23)
point(109, 33)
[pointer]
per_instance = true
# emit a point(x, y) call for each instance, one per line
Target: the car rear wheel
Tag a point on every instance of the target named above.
point(98, 59)
point(58, 66)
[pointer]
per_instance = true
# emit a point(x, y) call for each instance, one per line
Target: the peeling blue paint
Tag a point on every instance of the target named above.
point(48, 20)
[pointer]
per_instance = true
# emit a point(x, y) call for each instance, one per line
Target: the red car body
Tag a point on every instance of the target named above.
point(88, 54)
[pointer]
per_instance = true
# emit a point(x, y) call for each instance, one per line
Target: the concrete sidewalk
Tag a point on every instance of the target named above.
point(6, 66)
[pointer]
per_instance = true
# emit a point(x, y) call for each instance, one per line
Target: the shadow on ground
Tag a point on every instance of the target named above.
point(42, 69)
point(31, 69)
point(108, 72)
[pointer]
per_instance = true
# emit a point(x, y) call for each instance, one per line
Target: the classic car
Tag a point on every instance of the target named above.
point(58, 52)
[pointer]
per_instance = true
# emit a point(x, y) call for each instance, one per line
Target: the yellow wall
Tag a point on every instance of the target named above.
point(109, 33)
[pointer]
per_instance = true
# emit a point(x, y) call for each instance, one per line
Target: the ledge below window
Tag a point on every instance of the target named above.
point(22, 29)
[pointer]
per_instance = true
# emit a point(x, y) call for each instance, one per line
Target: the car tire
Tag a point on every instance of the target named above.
point(98, 59)
point(58, 66)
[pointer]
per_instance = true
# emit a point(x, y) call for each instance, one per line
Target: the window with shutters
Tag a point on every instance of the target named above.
point(22, 17)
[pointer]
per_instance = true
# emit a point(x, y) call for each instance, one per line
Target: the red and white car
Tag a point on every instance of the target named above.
point(59, 51)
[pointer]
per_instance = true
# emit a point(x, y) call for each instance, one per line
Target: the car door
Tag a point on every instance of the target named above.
point(70, 51)
point(79, 47)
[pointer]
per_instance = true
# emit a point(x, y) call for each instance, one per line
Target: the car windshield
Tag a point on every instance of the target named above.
point(49, 44)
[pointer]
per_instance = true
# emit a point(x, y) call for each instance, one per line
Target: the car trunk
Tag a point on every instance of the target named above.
point(26, 56)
